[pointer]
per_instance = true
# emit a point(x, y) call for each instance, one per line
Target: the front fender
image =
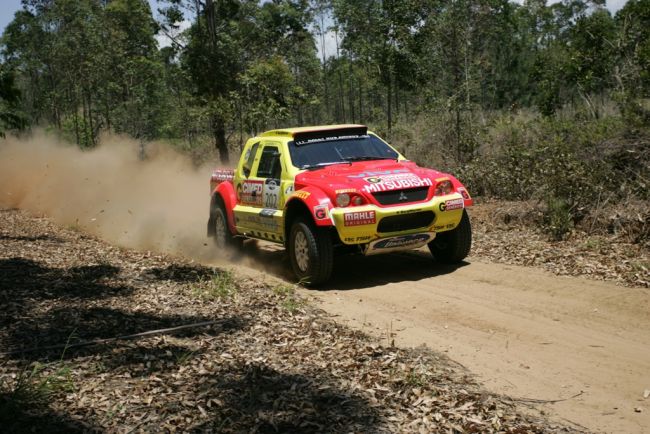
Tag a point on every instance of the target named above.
point(317, 202)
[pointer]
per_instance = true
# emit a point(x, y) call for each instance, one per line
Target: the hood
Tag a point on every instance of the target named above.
point(369, 176)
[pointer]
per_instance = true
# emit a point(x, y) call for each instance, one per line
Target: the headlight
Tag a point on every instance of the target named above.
point(342, 199)
point(444, 188)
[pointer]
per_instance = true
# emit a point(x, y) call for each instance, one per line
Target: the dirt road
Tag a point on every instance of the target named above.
point(523, 332)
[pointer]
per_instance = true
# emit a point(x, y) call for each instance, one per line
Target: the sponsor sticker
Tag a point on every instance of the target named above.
point(250, 192)
point(302, 194)
point(452, 204)
point(464, 193)
point(403, 241)
point(346, 190)
point(380, 173)
point(396, 182)
point(359, 218)
point(320, 212)
point(221, 175)
point(266, 212)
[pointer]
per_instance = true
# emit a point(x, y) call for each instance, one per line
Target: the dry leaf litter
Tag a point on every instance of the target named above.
point(268, 363)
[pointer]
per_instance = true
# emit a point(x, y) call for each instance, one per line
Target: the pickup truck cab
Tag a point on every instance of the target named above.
point(319, 190)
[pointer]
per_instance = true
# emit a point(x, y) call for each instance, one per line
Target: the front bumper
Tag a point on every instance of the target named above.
point(368, 223)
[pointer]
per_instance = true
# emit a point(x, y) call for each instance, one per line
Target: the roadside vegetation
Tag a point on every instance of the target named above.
point(523, 101)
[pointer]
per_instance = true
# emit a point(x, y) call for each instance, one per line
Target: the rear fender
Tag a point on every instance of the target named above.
point(226, 193)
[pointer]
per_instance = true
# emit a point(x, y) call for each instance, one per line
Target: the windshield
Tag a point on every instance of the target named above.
point(319, 153)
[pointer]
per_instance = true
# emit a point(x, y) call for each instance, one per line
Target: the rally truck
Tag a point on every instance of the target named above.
point(339, 188)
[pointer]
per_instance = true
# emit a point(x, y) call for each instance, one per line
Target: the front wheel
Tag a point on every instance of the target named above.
point(311, 253)
point(453, 246)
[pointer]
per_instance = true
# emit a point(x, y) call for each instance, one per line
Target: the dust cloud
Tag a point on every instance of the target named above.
point(159, 204)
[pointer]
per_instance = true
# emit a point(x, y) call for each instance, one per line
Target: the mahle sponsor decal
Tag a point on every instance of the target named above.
point(359, 218)
point(396, 182)
point(452, 204)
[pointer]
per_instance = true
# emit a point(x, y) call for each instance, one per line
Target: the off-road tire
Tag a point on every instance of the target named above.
point(223, 238)
point(453, 246)
point(311, 253)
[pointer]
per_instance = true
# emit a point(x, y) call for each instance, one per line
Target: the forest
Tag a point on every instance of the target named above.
point(539, 101)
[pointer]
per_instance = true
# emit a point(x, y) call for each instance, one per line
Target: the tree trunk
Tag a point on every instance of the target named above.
point(219, 132)
point(389, 104)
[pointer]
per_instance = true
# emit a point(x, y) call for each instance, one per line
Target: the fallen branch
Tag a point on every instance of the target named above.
point(111, 340)
point(545, 401)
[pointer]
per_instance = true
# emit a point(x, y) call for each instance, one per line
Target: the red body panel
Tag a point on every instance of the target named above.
point(366, 178)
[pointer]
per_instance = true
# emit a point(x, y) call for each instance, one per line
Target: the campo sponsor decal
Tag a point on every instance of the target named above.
point(359, 218)
point(452, 204)
point(395, 182)
point(250, 192)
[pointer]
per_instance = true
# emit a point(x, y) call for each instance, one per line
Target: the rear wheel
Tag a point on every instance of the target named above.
point(222, 236)
point(311, 253)
point(453, 246)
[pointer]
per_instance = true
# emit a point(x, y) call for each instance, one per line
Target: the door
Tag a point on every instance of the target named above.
point(260, 196)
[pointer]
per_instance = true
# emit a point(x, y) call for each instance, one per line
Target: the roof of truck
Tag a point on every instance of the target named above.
point(291, 132)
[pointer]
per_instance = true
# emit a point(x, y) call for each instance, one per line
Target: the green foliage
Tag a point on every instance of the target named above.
point(33, 388)
point(220, 286)
point(290, 301)
point(558, 218)
point(11, 116)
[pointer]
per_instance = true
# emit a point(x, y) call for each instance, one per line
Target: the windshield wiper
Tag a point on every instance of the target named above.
point(321, 165)
point(367, 158)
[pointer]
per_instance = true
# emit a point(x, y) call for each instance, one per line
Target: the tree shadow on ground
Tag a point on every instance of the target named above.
point(18, 416)
point(23, 280)
point(257, 398)
point(45, 306)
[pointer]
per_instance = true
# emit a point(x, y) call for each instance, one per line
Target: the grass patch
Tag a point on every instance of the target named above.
point(219, 286)
point(290, 301)
point(33, 388)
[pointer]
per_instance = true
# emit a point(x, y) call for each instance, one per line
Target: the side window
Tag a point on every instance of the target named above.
point(250, 158)
point(270, 166)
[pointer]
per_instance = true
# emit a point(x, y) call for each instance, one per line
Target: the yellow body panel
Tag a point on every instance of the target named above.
point(361, 234)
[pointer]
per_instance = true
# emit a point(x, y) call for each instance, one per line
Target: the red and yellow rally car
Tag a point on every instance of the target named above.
point(317, 190)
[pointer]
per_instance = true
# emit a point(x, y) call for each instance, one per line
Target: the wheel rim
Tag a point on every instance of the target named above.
point(220, 230)
point(301, 253)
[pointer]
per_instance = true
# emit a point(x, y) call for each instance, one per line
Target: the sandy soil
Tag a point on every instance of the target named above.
point(524, 332)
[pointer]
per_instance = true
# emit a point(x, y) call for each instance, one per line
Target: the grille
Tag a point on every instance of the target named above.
point(405, 222)
point(393, 197)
